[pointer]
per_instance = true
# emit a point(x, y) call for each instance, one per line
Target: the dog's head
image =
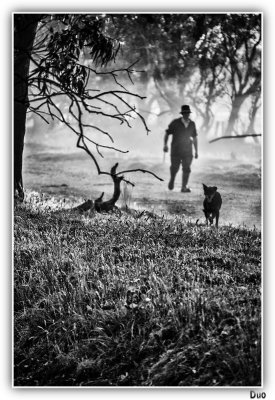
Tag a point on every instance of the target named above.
point(209, 192)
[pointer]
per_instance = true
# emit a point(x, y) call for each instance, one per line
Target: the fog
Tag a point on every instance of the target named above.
point(138, 142)
point(54, 165)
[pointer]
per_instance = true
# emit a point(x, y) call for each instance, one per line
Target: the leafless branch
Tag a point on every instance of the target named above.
point(140, 170)
point(235, 137)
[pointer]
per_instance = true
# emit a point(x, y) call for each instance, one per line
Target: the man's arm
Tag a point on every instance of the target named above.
point(165, 147)
point(195, 142)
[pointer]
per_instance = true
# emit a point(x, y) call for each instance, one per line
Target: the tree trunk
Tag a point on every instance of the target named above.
point(234, 115)
point(252, 114)
point(24, 33)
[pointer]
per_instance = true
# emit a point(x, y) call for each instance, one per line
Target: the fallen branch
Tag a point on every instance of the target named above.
point(86, 206)
point(100, 205)
point(105, 206)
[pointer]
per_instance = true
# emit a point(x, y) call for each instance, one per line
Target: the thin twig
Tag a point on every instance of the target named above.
point(140, 170)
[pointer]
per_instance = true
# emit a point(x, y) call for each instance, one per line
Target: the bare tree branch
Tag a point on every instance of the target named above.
point(140, 170)
point(235, 137)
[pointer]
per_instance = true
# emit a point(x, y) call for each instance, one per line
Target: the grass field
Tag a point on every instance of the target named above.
point(148, 296)
point(133, 299)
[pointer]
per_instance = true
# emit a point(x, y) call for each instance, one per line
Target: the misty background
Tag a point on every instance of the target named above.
point(211, 62)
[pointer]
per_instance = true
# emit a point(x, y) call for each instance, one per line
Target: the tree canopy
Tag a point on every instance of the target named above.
point(201, 58)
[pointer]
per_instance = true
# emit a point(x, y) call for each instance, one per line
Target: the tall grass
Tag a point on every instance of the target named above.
point(133, 300)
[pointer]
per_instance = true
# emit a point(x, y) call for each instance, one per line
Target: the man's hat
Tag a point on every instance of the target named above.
point(185, 109)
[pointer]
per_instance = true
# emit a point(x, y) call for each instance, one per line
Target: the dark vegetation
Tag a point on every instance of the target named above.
point(133, 298)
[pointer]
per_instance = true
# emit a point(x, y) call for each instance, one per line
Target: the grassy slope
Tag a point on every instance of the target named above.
point(130, 300)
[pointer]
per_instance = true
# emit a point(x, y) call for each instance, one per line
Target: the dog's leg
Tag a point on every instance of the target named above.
point(211, 218)
point(217, 218)
point(206, 216)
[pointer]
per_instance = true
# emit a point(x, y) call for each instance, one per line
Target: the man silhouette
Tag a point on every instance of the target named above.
point(184, 137)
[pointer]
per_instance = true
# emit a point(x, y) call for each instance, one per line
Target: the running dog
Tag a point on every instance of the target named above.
point(211, 204)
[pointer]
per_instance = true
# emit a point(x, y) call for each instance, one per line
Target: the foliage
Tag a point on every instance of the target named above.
point(198, 57)
point(133, 299)
point(229, 55)
point(164, 45)
point(66, 37)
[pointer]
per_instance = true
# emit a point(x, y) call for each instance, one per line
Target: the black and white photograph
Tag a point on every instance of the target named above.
point(137, 172)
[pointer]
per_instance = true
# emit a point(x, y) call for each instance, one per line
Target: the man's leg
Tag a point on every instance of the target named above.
point(175, 164)
point(186, 164)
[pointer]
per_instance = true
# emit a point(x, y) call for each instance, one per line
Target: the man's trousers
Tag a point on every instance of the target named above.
point(185, 160)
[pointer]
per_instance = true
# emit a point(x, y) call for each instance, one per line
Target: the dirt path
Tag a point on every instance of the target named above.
point(239, 185)
point(67, 174)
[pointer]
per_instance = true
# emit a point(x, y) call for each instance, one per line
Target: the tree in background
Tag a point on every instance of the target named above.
point(197, 59)
point(229, 54)
point(163, 44)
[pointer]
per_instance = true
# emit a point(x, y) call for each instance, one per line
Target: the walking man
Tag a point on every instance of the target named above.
point(184, 137)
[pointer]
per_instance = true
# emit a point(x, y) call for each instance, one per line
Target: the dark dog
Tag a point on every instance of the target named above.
point(211, 204)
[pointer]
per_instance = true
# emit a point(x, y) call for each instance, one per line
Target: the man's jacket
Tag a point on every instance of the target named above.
point(182, 137)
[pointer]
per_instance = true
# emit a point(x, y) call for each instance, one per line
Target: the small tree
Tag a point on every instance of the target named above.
point(49, 64)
